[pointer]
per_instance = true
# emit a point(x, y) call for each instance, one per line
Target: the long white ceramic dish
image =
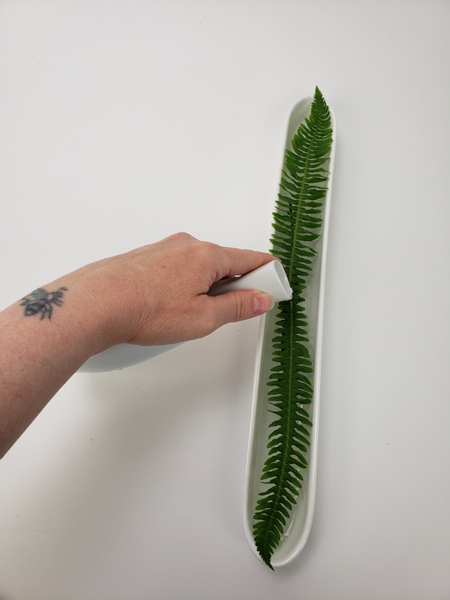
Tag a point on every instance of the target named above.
point(300, 524)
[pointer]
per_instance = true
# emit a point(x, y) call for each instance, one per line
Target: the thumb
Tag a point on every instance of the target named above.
point(241, 305)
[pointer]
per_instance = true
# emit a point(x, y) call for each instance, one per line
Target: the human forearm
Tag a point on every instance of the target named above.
point(154, 295)
point(40, 351)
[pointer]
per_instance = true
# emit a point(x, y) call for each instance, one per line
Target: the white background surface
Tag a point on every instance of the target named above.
point(122, 122)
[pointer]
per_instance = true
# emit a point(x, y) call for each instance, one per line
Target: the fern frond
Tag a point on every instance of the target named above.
point(296, 224)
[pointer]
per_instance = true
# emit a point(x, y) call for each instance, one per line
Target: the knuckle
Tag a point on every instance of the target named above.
point(240, 307)
point(206, 252)
point(181, 236)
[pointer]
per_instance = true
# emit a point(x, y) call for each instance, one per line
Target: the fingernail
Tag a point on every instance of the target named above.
point(262, 303)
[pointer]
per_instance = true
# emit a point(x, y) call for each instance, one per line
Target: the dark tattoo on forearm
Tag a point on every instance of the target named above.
point(41, 302)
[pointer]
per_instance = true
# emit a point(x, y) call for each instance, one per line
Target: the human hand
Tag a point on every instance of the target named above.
point(158, 294)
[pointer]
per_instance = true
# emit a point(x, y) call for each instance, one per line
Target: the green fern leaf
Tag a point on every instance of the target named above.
point(297, 222)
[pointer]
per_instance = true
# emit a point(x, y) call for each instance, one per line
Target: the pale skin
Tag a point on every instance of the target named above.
point(153, 295)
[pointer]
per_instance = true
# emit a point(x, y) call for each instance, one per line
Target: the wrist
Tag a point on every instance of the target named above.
point(99, 306)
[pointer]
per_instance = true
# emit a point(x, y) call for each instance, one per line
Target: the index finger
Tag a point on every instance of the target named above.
point(239, 262)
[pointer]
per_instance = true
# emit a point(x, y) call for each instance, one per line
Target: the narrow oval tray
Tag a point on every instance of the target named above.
point(300, 523)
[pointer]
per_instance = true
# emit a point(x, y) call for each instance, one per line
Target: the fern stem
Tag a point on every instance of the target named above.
point(299, 208)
